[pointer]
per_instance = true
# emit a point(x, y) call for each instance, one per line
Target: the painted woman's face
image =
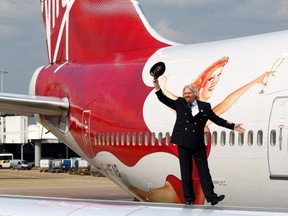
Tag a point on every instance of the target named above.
point(208, 88)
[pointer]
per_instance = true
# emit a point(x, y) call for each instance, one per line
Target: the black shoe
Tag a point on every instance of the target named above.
point(217, 199)
point(189, 203)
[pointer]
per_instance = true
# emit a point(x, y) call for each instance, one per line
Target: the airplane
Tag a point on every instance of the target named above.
point(84, 207)
point(96, 95)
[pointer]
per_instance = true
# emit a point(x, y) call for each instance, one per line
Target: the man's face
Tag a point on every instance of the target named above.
point(189, 95)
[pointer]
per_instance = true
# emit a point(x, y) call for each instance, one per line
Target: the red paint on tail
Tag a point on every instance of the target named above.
point(89, 30)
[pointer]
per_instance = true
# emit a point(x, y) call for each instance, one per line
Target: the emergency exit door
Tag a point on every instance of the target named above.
point(86, 118)
point(278, 139)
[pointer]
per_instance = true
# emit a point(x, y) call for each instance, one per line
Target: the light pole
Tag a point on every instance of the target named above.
point(2, 72)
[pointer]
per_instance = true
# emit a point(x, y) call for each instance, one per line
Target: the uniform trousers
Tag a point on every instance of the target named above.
point(186, 167)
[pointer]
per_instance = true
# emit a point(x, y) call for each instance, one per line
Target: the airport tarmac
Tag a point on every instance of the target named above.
point(45, 184)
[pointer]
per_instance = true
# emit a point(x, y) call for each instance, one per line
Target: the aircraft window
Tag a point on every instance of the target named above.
point(95, 139)
point(153, 139)
point(103, 139)
point(160, 139)
point(107, 139)
point(134, 139)
point(250, 138)
point(206, 138)
point(214, 138)
point(140, 138)
point(273, 138)
point(223, 138)
point(167, 137)
point(240, 139)
point(232, 138)
point(112, 139)
point(260, 138)
point(98, 141)
point(99, 138)
point(117, 139)
point(122, 139)
point(128, 139)
point(146, 139)
point(85, 138)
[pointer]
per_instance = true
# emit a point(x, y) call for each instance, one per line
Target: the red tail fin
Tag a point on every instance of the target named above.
point(86, 30)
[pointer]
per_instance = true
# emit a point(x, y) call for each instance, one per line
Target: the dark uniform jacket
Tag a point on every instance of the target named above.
point(188, 130)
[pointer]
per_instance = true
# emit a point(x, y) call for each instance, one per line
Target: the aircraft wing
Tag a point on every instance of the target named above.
point(32, 206)
point(29, 105)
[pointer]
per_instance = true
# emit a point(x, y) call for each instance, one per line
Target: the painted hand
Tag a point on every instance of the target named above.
point(239, 128)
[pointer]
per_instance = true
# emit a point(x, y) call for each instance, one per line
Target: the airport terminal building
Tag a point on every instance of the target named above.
point(28, 140)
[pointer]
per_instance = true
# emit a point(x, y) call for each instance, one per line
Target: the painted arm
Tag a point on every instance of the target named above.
point(164, 89)
point(234, 96)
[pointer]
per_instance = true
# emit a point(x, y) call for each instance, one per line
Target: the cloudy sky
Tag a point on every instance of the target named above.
point(22, 42)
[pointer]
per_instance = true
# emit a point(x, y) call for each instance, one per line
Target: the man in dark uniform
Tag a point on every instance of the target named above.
point(188, 134)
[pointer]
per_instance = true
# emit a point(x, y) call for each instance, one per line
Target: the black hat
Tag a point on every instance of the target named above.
point(157, 69)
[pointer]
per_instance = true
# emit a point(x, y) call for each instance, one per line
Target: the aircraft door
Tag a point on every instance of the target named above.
point(86, 117)
point(278, 139)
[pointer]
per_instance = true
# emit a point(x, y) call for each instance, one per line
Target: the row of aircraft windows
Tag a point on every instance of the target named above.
point(224, 138)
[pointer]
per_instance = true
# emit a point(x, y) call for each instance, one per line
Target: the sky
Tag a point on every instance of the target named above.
point(22, 38)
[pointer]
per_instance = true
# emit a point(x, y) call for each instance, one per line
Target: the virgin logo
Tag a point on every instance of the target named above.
point(56, 20)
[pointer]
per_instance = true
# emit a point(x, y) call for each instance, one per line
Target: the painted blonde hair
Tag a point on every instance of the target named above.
point(200, 81)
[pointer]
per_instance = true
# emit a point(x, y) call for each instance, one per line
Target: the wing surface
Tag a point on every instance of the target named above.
point(29, 105)
point(32, 206)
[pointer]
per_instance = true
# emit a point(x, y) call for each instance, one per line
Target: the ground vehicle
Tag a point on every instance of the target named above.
point(81, 167)
point(20, 164)
point(45, 165)
point(4, 160)
point(66, 165)
point(56, 166)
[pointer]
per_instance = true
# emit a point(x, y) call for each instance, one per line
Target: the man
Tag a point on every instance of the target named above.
point(188, 134)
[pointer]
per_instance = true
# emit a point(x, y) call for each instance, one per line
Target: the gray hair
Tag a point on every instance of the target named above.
point(192, 88)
